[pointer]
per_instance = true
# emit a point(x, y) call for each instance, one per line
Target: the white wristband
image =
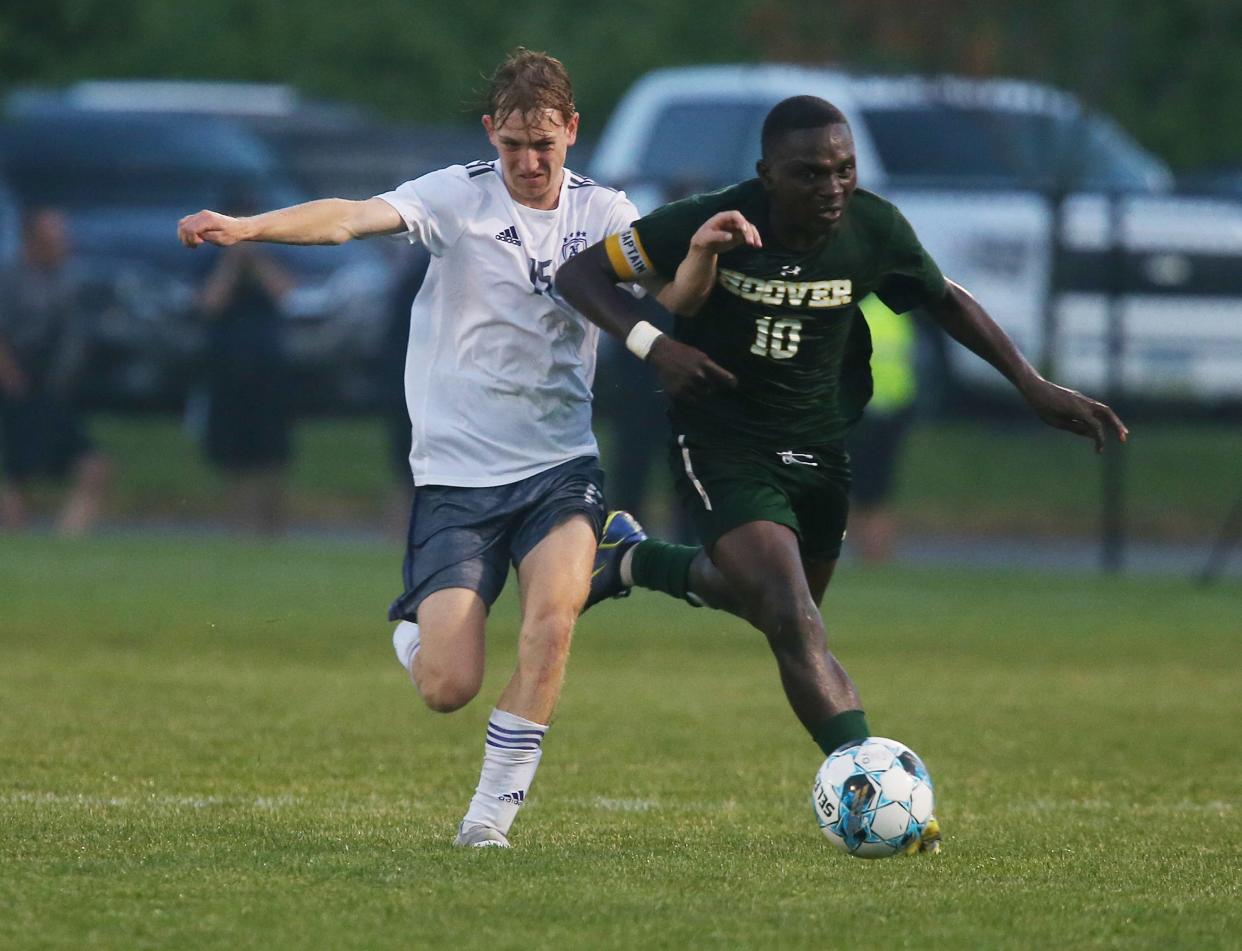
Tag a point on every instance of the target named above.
point(641, 337)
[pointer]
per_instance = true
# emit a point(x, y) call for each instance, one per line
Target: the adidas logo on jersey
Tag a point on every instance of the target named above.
point(514, 797)
point(510, 236)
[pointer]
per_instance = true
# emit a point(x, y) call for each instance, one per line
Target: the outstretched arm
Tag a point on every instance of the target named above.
point(325, 221)
point(588, 281)
point(968, 323)
point(719, 234)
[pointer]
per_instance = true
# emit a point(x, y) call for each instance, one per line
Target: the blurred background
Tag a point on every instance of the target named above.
point(1078, 167)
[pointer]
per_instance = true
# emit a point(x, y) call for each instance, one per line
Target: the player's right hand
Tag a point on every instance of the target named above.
point(686, 372)
point(724, 231)
point(210, 227)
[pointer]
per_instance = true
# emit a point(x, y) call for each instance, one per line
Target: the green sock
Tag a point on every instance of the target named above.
point(663, 567)
point(841, 729)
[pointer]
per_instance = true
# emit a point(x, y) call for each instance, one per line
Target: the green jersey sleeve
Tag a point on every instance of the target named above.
point(664, 235)
point(909, 278)
point(660, 241)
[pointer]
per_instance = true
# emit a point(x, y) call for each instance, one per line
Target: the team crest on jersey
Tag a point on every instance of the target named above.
point(575, 243)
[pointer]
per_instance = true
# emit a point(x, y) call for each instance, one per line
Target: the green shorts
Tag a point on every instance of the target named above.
point(807, 490)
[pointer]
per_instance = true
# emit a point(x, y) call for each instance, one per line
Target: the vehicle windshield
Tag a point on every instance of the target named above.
point(701, 145)
point(94, 162)
point(943, 143)
point(63, 186)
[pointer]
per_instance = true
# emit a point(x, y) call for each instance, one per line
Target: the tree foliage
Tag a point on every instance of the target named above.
point(1168, 71)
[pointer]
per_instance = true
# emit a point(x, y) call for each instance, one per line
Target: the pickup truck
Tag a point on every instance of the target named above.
point(1059, 223)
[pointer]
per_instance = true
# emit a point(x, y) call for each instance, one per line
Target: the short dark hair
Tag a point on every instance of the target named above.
point(798, 112)
point(528, 81)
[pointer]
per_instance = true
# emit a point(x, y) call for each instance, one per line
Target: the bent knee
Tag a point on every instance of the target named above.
point(442, 699)
point(446, 693)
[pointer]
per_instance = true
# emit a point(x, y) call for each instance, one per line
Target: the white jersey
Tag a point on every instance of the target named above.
point(499, 368)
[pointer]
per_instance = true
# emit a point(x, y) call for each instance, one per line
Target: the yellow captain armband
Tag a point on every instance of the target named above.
point(625, 252)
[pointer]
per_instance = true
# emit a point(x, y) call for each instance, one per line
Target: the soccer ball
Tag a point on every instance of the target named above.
point(872, 798)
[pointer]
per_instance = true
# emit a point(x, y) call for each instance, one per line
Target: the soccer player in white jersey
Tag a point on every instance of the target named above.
point(498, 385)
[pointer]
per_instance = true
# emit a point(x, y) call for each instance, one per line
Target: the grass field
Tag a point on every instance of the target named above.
point(207, 744)
point(955, 477)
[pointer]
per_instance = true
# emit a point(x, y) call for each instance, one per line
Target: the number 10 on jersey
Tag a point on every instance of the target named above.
point(777, 339)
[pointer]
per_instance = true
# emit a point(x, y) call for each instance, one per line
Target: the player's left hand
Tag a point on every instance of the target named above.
point(724, 231)
point(1069, 410)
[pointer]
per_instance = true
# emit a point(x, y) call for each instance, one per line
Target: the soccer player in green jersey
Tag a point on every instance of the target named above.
point(767, 376)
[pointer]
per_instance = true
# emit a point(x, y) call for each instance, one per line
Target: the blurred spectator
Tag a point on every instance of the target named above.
point(629, 402)
point(875, 443)
point(393, 411)
point(248, 419)
point(44, 342)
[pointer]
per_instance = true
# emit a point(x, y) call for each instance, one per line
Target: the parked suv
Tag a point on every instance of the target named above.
point(123, 180)
point(1010, 185)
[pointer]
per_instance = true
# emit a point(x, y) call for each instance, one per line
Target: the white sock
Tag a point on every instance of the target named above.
point(626, 568)
point(510, 758)
point(405, 642)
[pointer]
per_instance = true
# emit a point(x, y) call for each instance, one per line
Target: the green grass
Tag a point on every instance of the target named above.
point(340, 470)
point(207, 744)
point(954, 477)
point(1178, 479)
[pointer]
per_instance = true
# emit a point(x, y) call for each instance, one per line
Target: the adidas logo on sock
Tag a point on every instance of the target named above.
point(509, 235)
point(516, 797)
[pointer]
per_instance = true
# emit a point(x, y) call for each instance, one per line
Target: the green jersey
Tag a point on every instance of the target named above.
point(786, 323)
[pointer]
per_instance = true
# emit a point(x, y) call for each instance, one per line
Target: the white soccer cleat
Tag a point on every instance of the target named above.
point(480, 837)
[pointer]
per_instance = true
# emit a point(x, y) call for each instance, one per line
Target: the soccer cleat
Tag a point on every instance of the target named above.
point(621, 533)
point(928, 842)
point(480, 837)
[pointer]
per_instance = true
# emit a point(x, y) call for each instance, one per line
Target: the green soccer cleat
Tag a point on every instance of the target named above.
point(928, 842)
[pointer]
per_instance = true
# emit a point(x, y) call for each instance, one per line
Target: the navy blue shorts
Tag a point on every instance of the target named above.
point(462, 537)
